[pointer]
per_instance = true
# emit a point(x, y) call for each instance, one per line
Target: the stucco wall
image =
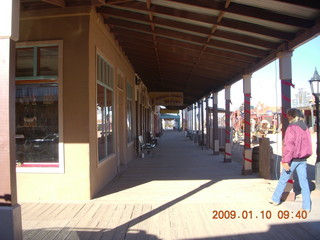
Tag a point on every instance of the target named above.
point(82, 33)
point(72, 28)
point(101, 40)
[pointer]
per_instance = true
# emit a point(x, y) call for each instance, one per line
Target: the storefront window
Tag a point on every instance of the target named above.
point(101, 124)
point(37, 134)
point(105, 131)
point(37, 107)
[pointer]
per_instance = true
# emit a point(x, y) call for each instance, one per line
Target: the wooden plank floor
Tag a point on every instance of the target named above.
point(172, 195)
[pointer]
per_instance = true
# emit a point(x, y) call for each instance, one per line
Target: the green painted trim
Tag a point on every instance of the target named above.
point(54, 78)
point(36, 46)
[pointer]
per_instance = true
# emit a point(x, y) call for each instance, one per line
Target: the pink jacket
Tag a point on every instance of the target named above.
point(297, 142)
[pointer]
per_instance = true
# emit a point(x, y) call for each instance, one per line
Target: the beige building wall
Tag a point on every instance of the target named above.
point(102, 42)
point(72, 28)
point(82, 34)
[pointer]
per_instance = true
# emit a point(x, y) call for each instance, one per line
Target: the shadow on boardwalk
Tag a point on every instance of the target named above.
point(278, 232)
point(176, 158)
point(175, 194)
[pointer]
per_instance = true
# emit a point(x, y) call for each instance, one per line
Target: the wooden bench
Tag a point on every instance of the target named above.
point(152, 139)
point(146, 146)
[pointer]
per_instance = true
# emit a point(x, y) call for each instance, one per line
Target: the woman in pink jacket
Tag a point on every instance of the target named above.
point(296, 149)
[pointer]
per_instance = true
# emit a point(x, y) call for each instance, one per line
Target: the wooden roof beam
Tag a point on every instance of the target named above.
point(130, 42)
point(98, 2)
point(60, 3)
point(233, 47)
point(249, 11)
point(302, 3)
point(115, 2)
point(243, 26)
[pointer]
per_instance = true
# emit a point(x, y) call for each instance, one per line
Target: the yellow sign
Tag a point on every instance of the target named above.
point(166, 98)
point(169, 111)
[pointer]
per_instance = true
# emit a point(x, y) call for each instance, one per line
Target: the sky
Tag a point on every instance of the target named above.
point(265, 83)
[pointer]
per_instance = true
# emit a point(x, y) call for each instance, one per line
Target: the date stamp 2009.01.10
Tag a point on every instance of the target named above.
point(264, 214)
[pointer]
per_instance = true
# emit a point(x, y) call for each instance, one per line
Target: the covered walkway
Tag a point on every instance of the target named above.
point(174, 194)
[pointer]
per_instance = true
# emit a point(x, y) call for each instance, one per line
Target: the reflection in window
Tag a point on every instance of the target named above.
point(48, 64)
point(25, 60)
point(37, 106)
point(101, 131)
point(105, 131)
point(129, 113)
point(109, 125)
point(37, 62)
point(37, 134)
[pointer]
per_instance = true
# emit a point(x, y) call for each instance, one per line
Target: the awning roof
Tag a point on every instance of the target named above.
point(197, 47)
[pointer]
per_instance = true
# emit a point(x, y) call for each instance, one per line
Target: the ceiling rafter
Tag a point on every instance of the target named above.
point(210, 68)
point(98, 2)
point(212, 51)
point(183, 14)
point(152, 25)
point(134, 27)
point(60, 3)
point(302, 3)
point(217, 33)
point(249, 11)
point(199, 46)
point(141, 42)
point(209, 39)
point(114, 2)
point(182, 53)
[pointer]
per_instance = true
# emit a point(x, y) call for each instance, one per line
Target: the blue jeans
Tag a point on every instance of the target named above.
point(301, 168)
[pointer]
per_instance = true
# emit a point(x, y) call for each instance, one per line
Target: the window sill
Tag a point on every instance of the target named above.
point(106, 160)
point(40, 168)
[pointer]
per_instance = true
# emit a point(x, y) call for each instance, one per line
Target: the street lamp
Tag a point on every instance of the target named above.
point(315, 90)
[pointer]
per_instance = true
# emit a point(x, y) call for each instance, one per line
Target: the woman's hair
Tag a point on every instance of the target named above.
point(296, 114)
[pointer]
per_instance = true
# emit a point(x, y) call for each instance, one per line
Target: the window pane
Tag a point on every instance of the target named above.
point(105, 133)
point(37, 129)
point(98, 68)
point(105, 71)
point(48, 61)
point(129, 121)
point(109, 122)
point(110, 80)
point(101, 123)
point(129, 91)
point(25, 60)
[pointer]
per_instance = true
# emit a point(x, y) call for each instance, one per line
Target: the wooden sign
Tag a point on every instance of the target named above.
point(166, 98)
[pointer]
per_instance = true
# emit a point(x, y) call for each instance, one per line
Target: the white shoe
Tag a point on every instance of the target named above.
point(273, 203)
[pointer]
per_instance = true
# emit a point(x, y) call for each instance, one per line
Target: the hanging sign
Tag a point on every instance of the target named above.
point(164, 111)
point(166, 98)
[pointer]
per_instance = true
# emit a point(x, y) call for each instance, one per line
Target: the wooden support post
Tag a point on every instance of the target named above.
point(202, 124)
point(286, 84)
point(10, 210)
point(247, 154)
point(189, 113)
point(199, 122)
point(192, 118)
point(207, 124)
point(227, 150)
point(215, 128)
point(195, 123)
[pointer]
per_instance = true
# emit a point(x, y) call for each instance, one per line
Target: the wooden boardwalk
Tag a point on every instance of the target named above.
point(174, 195)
